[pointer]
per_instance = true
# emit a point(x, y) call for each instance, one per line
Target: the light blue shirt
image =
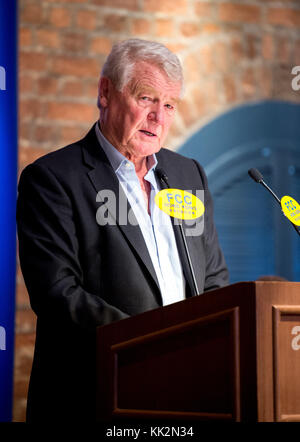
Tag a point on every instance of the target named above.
point(156, 228)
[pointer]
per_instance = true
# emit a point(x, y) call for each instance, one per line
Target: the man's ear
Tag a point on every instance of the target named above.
point(104, 91)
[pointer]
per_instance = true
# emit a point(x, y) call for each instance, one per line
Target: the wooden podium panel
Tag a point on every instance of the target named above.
point(286, 350)
point(230, 354)
point(184, 362)
point(277, 385)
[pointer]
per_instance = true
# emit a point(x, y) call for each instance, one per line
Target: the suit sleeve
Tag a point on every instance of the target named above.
point(216, 273)
point(49, 253)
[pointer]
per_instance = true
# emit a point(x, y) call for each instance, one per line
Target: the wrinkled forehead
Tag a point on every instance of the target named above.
point(149, 78)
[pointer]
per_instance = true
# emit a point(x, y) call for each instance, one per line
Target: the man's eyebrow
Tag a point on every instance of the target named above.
point(140, 89)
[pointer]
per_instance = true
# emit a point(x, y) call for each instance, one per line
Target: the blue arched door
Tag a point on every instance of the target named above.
point(255, 237)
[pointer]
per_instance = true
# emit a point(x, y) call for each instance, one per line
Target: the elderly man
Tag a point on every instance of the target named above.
point(82, 271)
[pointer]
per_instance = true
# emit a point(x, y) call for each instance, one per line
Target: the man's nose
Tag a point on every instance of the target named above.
point(157, 113)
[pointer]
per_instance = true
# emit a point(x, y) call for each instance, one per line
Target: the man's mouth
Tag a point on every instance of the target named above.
point(149, 134)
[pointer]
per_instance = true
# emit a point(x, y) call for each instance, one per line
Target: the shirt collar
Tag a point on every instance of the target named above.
point(116, 159)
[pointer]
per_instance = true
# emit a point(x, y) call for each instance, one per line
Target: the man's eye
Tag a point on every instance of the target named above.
point(169, 106)
point(145, 98)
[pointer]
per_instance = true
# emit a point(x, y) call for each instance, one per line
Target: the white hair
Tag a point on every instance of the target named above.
point(120, 63)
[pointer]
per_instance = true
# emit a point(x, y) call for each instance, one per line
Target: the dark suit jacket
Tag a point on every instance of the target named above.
point(80, 275)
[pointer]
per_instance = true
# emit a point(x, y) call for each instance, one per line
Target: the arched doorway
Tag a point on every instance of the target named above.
point(255, 237)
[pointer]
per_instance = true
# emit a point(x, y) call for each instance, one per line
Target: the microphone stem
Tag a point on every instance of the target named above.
point(196, 290)
point(271, 192)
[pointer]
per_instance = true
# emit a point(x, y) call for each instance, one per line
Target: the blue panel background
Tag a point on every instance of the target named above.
point(8, 174)
point(255, 237)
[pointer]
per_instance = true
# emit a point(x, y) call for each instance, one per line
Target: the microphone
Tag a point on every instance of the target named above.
point(258, 178)
point(162, 176)
point(256, 175)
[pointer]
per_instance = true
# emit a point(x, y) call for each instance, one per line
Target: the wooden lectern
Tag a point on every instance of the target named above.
point(229, 354)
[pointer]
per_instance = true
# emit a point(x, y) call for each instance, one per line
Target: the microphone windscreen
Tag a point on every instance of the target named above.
point(256, 175)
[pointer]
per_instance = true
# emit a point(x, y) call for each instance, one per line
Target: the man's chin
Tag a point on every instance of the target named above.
point(147, 150)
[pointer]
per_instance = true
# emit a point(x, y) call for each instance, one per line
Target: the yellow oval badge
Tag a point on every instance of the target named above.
point(179, 204)
point(291, 209)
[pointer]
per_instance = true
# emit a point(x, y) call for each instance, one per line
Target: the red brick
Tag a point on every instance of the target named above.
point(25, 320)
point(73, 42)
point(22, 297)
point(26, 83)
point(101, 45)
point(140, 26)
point(281, 86)
point(24, 348)
point(251, 46)
point(191, 69)
point(31, 13)
point(189, 29)
point(248, 83)
point(237, 51)
point(210, 28)
point(170, 7)
point(86, 19)
point(174, 131)
point(72, 89)
point(176, 47)
point(47, 86)
point(24, 130)
point(47, 38)
point(132, 5)
point(207, 62)
point(211, 88)
point(296, 53)
point(203, 9)
point(91, 89)
point(18, 269)
point(233, 12)
point(284, 16)
point(115, 23)
point(80, 67)
point(265, 80)
point(68, 1)
point(164, 27)
point(78, 112)
point(186, 111)
point(199, 99)
point(221, 57)
point(44, 133)
point(60, 17)
point(229, 88)
point(25, 37)
point(30, 108)
point(33, 61)
point(21, 389)
point(69, 134)
point(25, 341)
point(28, 155)
point(283, 49)
point(267, 47)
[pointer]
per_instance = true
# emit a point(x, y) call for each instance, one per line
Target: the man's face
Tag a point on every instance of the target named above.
point(137, 120)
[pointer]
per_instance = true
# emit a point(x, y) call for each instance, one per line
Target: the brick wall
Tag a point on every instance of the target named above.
point(232, 52)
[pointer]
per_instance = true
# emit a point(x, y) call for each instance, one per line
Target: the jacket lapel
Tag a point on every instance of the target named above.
point(103, 177)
